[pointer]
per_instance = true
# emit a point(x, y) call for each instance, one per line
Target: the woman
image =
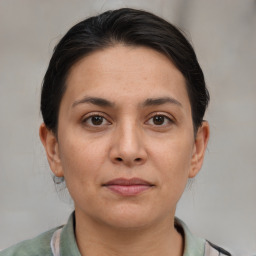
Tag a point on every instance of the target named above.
point(123, 102)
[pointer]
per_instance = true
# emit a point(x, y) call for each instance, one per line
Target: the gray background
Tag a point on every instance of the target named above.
point(221, 203)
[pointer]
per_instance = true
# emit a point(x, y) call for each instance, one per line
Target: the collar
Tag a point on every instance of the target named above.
point(68, 245)
point(194, 246)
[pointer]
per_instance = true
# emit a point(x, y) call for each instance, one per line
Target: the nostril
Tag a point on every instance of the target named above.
point(136, 160)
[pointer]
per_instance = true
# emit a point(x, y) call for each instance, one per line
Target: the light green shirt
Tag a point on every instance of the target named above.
point(41, 245)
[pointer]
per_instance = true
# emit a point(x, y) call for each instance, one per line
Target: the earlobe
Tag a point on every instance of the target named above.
point(200, 146)
point(51, 147)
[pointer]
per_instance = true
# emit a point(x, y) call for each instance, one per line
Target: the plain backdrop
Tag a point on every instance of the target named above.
point(220, 204)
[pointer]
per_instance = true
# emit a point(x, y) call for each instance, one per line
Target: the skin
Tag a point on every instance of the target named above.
point(128, 141)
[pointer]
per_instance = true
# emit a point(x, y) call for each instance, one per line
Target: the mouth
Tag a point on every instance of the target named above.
point(128, 187)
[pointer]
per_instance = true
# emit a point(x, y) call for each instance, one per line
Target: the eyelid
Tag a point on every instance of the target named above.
point(170, 117)
point(91, 114)
point(169, 120)
point(159, 113)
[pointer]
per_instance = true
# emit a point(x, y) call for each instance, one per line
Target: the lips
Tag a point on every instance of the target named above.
point(128, 187)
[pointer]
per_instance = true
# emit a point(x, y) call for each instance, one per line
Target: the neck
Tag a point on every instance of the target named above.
point(94, 239)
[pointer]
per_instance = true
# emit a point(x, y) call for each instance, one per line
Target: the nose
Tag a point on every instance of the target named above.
point(127, 145)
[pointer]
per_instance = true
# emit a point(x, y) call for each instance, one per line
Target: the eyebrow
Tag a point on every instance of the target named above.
point(160, 101)
point(105, 103)
point(95, 101)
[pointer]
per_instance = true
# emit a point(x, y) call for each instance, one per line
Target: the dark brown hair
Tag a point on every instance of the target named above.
point(129, 27)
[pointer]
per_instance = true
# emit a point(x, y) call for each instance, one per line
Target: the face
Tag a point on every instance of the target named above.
point(126, 143)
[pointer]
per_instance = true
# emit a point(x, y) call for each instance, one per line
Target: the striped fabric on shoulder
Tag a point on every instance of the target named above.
point(214, 250)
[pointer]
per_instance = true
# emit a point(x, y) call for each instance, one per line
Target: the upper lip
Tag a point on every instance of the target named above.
point(128, 182)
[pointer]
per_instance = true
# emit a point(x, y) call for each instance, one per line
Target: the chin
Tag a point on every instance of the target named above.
point(130, 223)
point(129, 218)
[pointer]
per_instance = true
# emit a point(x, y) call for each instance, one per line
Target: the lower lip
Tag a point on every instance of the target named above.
point(130, 190)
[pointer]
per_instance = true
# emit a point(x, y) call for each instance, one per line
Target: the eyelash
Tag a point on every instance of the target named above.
point(167, 119)
point(90, 116)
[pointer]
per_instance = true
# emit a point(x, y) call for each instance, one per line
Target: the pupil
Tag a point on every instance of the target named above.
point(158, 120)
point(97, 120)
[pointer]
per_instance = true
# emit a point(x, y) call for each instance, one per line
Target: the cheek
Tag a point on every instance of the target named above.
point(81, 160)
point(173, 159)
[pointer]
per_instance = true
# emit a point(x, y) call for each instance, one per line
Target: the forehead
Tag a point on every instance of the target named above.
point(120, 71)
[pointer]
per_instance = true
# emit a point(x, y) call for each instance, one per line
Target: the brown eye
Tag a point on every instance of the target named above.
point(97, 120)
point(159, 120)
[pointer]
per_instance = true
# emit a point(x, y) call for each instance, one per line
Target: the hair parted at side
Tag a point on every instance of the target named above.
point(132, 28)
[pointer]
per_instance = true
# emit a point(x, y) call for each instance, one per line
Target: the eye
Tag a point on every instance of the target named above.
point(95, 120)
point(160, 120)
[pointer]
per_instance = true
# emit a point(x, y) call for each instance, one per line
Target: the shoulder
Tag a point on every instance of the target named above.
point(38, 246)
point(195, 246)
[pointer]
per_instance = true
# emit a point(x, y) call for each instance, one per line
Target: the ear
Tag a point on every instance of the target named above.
point(200, 146)
point(51, 147)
